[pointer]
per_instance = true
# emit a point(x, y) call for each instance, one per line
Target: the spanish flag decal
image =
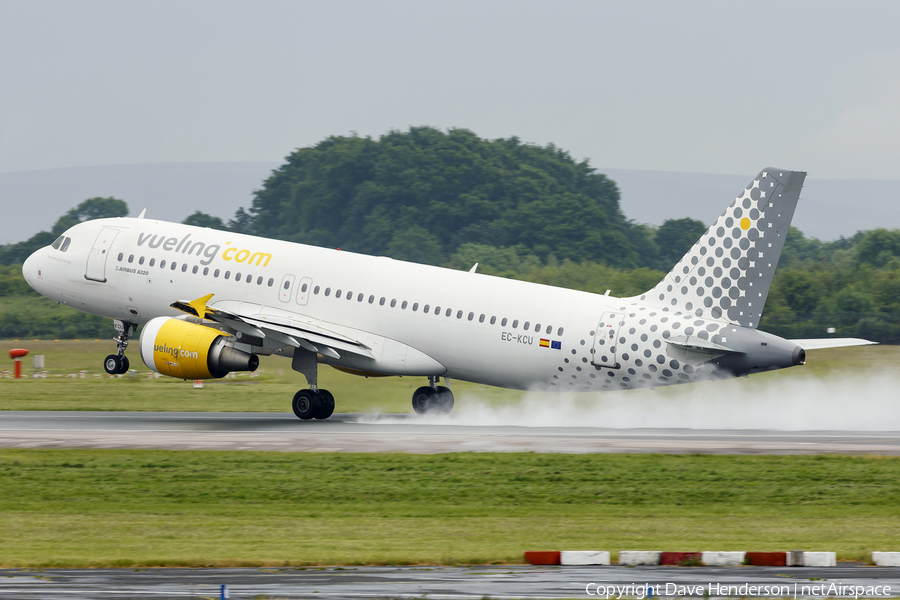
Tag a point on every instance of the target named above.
point(545, 343)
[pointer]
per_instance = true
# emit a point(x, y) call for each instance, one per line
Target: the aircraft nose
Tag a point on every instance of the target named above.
point(31, 270)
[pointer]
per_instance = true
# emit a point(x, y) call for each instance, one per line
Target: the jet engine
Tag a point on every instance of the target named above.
point(186, 350)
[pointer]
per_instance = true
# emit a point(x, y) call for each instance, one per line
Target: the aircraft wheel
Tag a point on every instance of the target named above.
point(423, 400)
point(326, 409)
point(306, 404)
point(123, 365)
point(112, 364)
point(445, 400)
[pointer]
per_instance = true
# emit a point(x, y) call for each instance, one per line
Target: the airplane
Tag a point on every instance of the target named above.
point(375, 316)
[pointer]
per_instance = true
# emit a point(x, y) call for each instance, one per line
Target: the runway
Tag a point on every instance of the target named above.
point(403, 433)
point(500, 581)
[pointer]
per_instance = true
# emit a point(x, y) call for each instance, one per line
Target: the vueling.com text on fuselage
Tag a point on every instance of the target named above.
point(208, 251)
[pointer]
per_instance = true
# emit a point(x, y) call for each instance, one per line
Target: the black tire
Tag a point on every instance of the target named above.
point(123, 365)
point(326, 409)
point(444, 400)
point(112, 364)
point(306, 404)
point(423, 400)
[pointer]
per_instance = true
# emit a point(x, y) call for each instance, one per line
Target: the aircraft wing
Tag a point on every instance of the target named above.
point(278, 327)
point(831, 343)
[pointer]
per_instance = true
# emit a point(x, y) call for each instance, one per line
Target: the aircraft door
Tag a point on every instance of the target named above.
point(304, 290)
point(287, 286)
point(95, 270)
point(605, 342)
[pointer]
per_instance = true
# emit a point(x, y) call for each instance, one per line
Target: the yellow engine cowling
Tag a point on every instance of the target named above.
point(185, 350)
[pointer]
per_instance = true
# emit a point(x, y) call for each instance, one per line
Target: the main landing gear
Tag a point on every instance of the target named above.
point(432, 399)
point(313, 404)
point(117, 364)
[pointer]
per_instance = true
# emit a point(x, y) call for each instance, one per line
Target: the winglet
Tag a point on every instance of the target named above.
point(196, 307)
point(143, 212)
point(472, 270)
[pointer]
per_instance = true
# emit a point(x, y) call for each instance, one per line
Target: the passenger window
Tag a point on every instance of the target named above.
point(195, 269)
point(526, 325)
point(559, 331)
point(449, 312)
point(515, 323)
point(58, 242)
point(120, 257)
point(425, 310)
point(381, 302)
point(337, 294)
point(162, 264)
point(131, 258)
point(327, 292)
point(184, 268)
point(403, 306)
point(537, 328)
point(437, 310)
point(360, 297)
point(493, 320)
point(259, 280)
point(216, 273)
point(503, 322)
point(65, 245)
point(371, 299)
point(304, 287)
point(549, 329)
point(471, 316)
point(481, 319)
point(206, 271)
point(287, 283)
point(174, 264)
point(459, 314)
point(141, 260)
point(316, 290)
point(415, 306)
point(227, 274)
point(393, 303)
point(152, 261)
point(270, 283)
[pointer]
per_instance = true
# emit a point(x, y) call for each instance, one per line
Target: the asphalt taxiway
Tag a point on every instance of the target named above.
point(403, 433)
point(499, 581)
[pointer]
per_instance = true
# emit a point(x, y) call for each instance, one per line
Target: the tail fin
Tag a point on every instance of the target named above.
point(728, 272)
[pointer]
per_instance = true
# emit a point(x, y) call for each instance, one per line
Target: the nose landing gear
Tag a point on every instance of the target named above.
point(432, 399)
point(117, 364)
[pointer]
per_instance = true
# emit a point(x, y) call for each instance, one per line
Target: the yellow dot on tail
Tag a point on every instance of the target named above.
point(745, 223)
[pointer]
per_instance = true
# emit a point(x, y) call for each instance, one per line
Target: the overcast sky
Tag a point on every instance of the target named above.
point(714, 87)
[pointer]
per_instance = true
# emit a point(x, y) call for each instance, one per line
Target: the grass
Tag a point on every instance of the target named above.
point(277, 383)
point(82, 508)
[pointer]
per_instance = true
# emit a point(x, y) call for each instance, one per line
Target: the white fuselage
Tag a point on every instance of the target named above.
point(485, 331)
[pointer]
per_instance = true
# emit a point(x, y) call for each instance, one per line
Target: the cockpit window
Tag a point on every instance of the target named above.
point(58, 242)
point(65, 245)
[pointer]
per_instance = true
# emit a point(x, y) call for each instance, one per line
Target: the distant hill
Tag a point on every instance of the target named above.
point(33, 200)
point(828, 209)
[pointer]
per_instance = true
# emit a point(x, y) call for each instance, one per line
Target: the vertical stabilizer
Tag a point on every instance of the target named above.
point(728, 272)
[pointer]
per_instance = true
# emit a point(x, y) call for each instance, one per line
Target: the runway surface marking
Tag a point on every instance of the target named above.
point(500, 581)
point(400, 433)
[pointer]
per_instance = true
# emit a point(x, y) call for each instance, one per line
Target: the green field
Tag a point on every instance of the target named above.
point(142, 507)
point(276, 384)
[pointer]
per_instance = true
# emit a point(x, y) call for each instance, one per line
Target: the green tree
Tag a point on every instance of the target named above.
point(92, 208)
point(674, 238)
point(201, 219)
point(878, 247)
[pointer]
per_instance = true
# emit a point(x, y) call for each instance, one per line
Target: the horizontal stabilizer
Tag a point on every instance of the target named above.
point(831, 343)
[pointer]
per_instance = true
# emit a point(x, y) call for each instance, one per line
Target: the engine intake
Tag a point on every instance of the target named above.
point(185, 350)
